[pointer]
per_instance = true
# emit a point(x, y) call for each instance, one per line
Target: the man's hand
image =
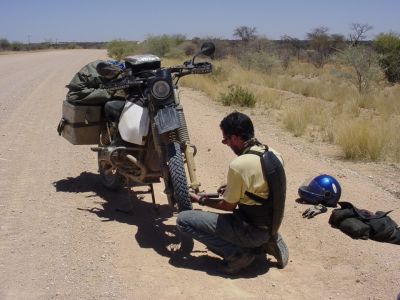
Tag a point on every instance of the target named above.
point(221, 189)
point(194, 197)
point(313, 211)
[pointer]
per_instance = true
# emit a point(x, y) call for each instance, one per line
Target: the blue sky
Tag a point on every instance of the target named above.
point(91, 20)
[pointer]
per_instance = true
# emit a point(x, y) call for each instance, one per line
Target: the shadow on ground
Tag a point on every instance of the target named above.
point(210, 265)
point(126, 207)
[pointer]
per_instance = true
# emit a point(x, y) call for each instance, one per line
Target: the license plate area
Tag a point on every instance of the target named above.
point(167, 119)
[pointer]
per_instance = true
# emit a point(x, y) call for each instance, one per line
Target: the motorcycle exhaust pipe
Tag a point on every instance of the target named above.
point(137, 163)
point(143, 169)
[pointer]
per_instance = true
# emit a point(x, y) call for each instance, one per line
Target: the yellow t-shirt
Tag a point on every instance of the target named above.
point(245, 174)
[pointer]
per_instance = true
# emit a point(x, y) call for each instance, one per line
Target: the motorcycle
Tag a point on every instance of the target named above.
point(145, 136)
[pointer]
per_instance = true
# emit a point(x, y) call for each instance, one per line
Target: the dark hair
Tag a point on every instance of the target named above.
point(238, 124)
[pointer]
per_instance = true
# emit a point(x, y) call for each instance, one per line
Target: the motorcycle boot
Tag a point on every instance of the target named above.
point(237, 263)
point(278, 249)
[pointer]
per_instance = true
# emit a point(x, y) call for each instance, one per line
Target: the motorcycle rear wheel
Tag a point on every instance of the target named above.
point(178, 177)
point(109, 176)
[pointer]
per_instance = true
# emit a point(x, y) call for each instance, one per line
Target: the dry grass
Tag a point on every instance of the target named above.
point(360, 139)
point(314, 102)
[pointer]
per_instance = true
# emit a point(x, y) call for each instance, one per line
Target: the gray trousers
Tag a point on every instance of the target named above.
point(224, 234)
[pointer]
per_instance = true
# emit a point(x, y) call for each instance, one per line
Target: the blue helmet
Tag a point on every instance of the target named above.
point(323, 189)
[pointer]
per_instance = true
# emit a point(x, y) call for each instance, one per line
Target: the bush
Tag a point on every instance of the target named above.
point(388, 45)
point(118, 49)
point(163, 44)
point(261, 61)
point(361, 139)
point(72, 46)
point(17, 46)
point(189, 48)
point(238, 96)
point(4, 44)
point(296, 121)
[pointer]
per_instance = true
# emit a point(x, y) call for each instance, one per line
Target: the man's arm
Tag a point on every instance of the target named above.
point(213, 202)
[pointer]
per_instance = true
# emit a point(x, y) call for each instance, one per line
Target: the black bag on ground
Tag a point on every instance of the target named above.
point(384, 229)
point(362, 224)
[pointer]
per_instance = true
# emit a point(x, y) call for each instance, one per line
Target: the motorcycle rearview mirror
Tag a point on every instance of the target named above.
point(207, 48)
point(107, 70)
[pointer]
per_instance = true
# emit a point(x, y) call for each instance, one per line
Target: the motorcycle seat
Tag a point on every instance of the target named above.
point(113, 110)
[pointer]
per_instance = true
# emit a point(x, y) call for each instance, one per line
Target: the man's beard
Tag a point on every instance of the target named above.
point(237, 150)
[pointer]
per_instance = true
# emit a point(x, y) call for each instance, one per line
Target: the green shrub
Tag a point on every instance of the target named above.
point(17, 46)
point(4, 44)
point(388, 45)
point(162, 45)
point(238, 96)
point(72, 46)
point(260, 60)
point(118, 49)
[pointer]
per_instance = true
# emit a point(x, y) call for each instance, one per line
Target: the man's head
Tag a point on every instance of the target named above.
point(237, 128)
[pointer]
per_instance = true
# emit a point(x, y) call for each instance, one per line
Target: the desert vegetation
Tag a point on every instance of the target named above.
point(348, 95)
point(327, 87)
point(6, 45)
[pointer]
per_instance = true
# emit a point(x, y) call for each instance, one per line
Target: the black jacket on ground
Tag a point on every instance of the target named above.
point(362, 224)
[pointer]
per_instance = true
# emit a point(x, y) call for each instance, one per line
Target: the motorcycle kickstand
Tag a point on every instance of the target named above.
point(156, 206)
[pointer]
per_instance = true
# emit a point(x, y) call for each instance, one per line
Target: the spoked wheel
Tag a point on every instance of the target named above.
point(178, 177)
point(109, 176)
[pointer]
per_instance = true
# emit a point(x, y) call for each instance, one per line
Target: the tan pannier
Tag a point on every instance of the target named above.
point(81, 124)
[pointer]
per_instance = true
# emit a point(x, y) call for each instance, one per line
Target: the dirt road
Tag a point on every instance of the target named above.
point(62, 238)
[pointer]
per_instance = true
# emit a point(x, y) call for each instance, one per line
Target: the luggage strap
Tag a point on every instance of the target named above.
point(64, 122)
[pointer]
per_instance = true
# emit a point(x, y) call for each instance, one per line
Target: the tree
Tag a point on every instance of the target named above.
point(388, 45)
point(320, 44)
point(358, 32)
point(295, 45)
point(338, 42)
point(4, 44)
point(364, 66)
point(245, 33)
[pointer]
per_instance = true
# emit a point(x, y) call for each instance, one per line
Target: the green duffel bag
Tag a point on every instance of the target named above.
point(84, 87)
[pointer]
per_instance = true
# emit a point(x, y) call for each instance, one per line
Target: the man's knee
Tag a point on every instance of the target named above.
point(183, 220)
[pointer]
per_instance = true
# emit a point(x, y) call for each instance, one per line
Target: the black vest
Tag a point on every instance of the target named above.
point(270, 212)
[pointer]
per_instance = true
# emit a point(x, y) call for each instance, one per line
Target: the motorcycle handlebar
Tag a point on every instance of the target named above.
point(189, 68)
point(134, 80)
point(123, 83)
point(202, 68)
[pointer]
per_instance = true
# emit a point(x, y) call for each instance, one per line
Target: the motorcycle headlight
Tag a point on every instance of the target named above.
point(161, 89)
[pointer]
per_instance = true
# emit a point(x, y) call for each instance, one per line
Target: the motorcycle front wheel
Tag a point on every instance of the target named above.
point(177, 174)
